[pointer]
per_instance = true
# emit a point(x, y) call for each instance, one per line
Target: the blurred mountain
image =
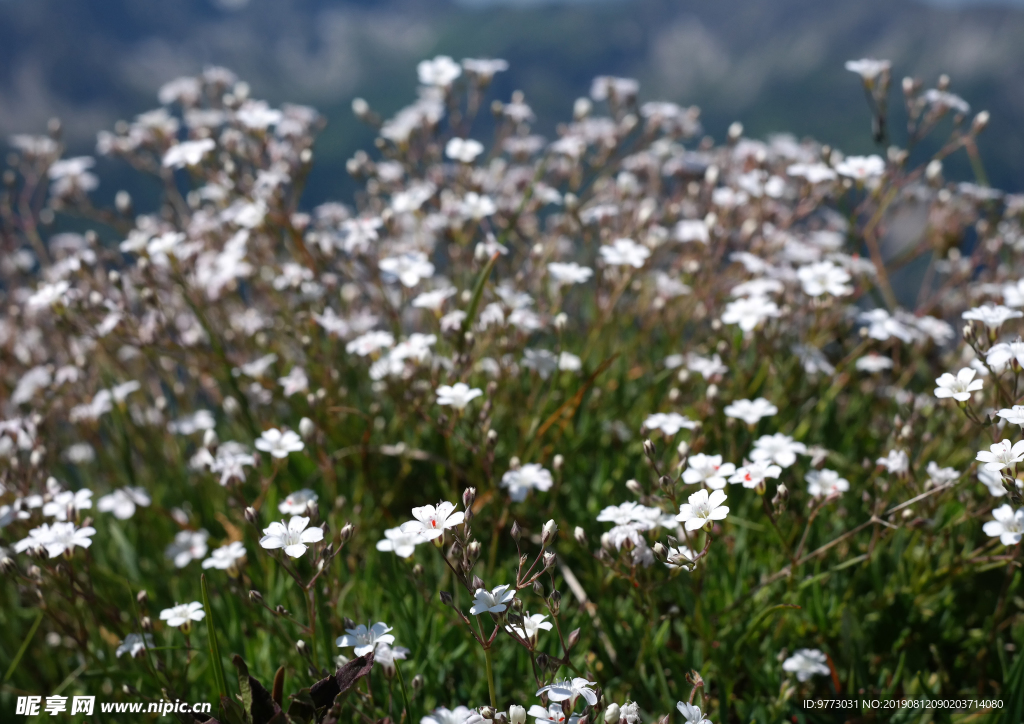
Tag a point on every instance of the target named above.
point(775, 66)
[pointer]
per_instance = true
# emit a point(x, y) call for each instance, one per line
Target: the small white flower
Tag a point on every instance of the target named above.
point(825, 482)
point(294, 382)
point(408, 268)
point(188, 546)
point(692, 713)
point(532, 625)
point(123, 501)
point(896, 462)
point(1003, 454)
point(292, 537)
point(183, 613)
point(65, 500)
point(298, 502)
point(476, 206)
point(568, 362)
point(749, 411)
point(364, 640)
point(780, 449)
point(702, 509)
point(861, 168)
point(369, 343)
point(873, 363)
point(679, 557)
point(279, 443)
point(570, 689)
point(805, 663)
point(385, 656)
point(749, 312)
point(401, 543)
point(57, 538)
point(495, 601)
point(434, 299)
point(441, 71)
point(531, 476)
point(868, 68)
point(1014, 415)
point(959, 387)
point(569, 273)
point(458, 395)
point(625, 252)
point(188, 153)
point(992, 316)
point(753, 475)
point(226, 557)
point(824, 278)
point(463, 149)
point(669, 423)
point(134, 644)
point(433, 521)
point(1008, 525)
point(543, 361)
point(707, 469)
point(552, 715)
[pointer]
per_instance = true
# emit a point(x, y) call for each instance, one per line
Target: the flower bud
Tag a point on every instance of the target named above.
point(306, 428)
point(555, 601)
point(634, 487)
point(417, 571)
point(492, 437)
point(487, 712)
point(548, 533)
point(251, 515)
point(468, 498)
point(980, 121)
point(611, 714)
point(142, 598)
point(574, 638)
point(659, 550)
point(146, 623)
point(517, 532)
point(473, 549)
point(517, 605)
point(417, 682)
point(649, 449)
point(476, 583)
point(300, 646)
point(346, 532)
point(549, 559)
point(210, 439)
point(580, 535)
point(516, 714)
point(538, 588)
point(7, 565)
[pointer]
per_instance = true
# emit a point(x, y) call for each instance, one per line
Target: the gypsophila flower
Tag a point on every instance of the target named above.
point(433, 520)
point(226, 557)
point(297, 503)
point(570, 689)
point(401, 543)
point(279, 443)
point(824, 278)
point(292, 537)
point(825, 482)
point(873, 363)
point(992, 316)
point(134, 644)
point(692, 713)
point(861, 168)
point(384, 655)
point(181, 614)
point(294, 382)
point(188, 546)
point(780, 449)
point(707, 469)
point(868, 68)
point(1003, 454)
point(434, 299)
point(1008, 525)
point(753, 475)
point(441, 71)
point(441, 715)
point(532, 625)
point(458, 395)
point(749, 312)
point(751, 412)
point(959, 387)
point(494, 601)
point(66, 501)
point(123, 502)
point(58, 538)
point(896, 462)
point(679, 557)
point(570, 273)
point(624, 252)
point(806, 663)
point(669, 423)
point(530, 476)
point(409, 268)
point(1013, 415)
point(364, 640)
point(553, 714)
point(940, 476)
point(464, 150)
point(702, 509)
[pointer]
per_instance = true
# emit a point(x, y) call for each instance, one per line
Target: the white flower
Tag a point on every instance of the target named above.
point(458, 395)
point(484, 68)
point(434, 299)
point(568, 362)
point(868, 68)
point(441, 715)
point(401, 543)
point(825, 482)
point(824, 278)
point(294, 382)
point(569, 273)
point(364, 640)
point(532, 625)
point(993, 480)
point(861, 168)
point(691, 230)
point(279, 443)
point(57, 539)
point(542, 361)
point(134, 644)
point(882, 326)
point(298, 502)
point(123, 501)
point(669, 423)
point(494, 601)
point(749, 411)
point(992, 316)
point(749, 312)
point(706, 367)
point(625, 252)
point(226, 557)
point(408, 268)
point(433, 521)
point(293, 537)
point(805, 663)
point(707, 469)
point(570, 689)
point(815, 173)
point(476, 206)
point(463, 149)
point(873, 362)
point(552, 715)
point(752, 475)
point(940, 476)
point(959, 387)
point(702, 509)
point(369, 343)
point(183, 613)
point(441, 71)
point(188, 546)
point(692, 713)
point(385, 656)
point(1014, 415)
point(530, 476)
point(65, 500)
point(1003, 454)
point(1008, 525)
point(896, 462)
point(780, 449)
point(188, 153)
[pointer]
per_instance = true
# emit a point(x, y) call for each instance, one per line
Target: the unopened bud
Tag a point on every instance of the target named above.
point(210, 439)
point(492, 437)
point(146, 623)
point(142, 597)
point(517, 532)
point(516, 714)
point(473, 550)
point(574, 639)
point(634, 487)
point(468, 498)
point(487, 712)
point(251, 515)
point(255, 596)
point(580, 535)
point(514, 463)
point(538, 588)
point(7, 565)
point(665, 482)
point(649, 449)
point(980, 121)
point(659, 550)
point(306, 428)
point(517, 605)
point(476, 583)
point(417, 571)
point(555, 601)
point(549, 559)
point(548, 533)
point(346, 532)
point(446, 598)
point(417, 682)
point(611, 714)
point(300, 646)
